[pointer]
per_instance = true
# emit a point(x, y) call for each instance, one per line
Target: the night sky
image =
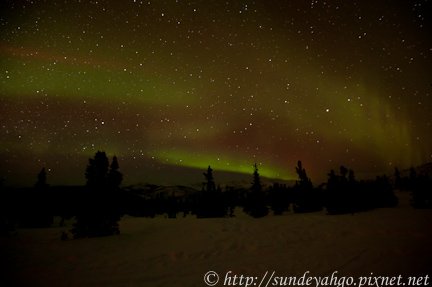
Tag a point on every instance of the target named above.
point(171, 87)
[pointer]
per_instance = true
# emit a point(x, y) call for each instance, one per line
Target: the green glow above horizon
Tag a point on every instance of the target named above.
point(220, 163)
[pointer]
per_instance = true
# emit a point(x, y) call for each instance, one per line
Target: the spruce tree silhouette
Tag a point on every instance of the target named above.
point(256, 183)
point(332, 179)
point(256, 201)
point(344, 194)
point(306, 198)
point(343, 171)
point(97, 169)
point(37, 206)
point(211, 201)
point(209, 184)
point(340, 193)
point(114, 176)
point(304, 180)
point(41, 179)
point(99, 213)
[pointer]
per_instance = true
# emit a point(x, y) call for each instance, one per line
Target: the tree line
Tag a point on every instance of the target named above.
point(98, 206)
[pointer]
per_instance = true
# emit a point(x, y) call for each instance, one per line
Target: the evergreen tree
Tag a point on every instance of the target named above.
point(304, 180)
point(41, 179)
point(341, 193)
point(209, 184)
point(211, 201)
point(97, 170)
point(38, 211)
point(256, 183)
point(114, 176)
point(306, 198)
point(332, 180)
point(256, 201)
point(99, 210)
point(343, 171)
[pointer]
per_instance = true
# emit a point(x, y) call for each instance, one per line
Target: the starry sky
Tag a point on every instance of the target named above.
point(171, 87)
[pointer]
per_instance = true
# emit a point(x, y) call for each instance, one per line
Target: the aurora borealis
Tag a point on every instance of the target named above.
point(172, 85)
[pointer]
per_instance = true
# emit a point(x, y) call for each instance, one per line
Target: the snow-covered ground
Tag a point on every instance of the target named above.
point(178, 252)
